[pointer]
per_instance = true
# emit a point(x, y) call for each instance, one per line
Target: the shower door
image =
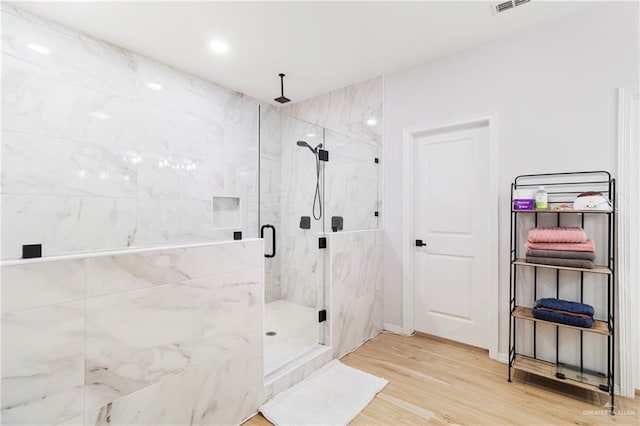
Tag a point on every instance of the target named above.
point(291, 222)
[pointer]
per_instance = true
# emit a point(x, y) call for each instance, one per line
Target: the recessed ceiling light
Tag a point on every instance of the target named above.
point(372, 122)
point(154, 86)
point(38, 49)
point(220, 47)
point(311, 135)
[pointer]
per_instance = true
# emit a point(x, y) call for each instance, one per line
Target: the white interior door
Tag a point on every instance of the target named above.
point(452, 218)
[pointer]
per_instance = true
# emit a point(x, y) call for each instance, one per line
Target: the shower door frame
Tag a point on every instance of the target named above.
point(322, 262)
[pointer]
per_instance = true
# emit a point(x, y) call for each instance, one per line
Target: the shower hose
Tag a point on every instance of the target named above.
point(316, 197)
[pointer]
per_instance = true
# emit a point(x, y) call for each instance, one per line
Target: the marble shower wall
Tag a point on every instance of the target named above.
point(103, 148)
point(350, 122)
point(356, 288)
point(352, 178)
point(355, 110)
point(352, 117)
point(300, 276)
point(156, 336)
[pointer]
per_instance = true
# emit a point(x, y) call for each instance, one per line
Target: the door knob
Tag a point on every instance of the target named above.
point(419, 243)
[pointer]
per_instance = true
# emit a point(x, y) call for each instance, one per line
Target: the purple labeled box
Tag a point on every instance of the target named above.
point(523, 204)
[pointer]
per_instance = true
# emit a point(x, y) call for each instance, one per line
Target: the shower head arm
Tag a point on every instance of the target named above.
point(282, 99)
point(281, 84)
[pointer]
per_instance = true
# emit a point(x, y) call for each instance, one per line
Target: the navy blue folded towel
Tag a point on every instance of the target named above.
point(564, 312)
point(565, 305)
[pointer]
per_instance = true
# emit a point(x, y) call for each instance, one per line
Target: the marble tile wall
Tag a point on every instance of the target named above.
point(351, 182)
point(355, 110)
point(300, 277)
point(297, 373)
point(348, 122)
point(103, 148)
point(42, 364)
point(352, 118)
point(164, 336)
point(356, 288)
point(223, 391)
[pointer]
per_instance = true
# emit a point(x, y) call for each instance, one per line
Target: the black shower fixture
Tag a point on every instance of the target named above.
point(282, 99)
point(316, 197)
point(305, 144)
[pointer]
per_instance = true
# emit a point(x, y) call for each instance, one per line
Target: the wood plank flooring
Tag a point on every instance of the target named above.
point(435, 381)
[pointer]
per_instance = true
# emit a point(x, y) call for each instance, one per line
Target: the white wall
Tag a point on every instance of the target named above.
point(555, 90)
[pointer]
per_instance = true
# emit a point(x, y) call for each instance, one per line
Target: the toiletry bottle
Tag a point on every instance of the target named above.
point(542, 199)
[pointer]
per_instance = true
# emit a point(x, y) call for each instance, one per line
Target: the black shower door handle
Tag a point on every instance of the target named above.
point(273, 239)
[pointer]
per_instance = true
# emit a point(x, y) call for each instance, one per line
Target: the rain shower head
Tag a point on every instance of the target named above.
point(282, 98)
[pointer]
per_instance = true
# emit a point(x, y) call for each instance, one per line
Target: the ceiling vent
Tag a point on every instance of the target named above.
point(501, 7)
point(506, 5)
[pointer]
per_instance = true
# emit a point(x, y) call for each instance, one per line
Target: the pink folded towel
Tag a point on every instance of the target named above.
point(557, 235)
point(588, 245)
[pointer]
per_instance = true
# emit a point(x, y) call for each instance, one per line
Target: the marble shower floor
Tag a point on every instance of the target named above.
point(297, 332)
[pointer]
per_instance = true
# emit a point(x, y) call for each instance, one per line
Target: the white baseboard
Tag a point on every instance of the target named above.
point(392, 328)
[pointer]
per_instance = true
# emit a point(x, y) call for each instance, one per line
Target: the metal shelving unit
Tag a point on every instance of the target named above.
point(563, 188)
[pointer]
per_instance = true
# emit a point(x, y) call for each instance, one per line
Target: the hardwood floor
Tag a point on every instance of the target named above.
point(435, 381)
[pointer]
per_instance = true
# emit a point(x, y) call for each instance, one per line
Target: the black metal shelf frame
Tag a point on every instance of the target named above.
point(566, 186)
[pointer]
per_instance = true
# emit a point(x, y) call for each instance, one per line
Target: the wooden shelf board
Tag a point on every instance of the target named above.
point(598, 269)
point(563, 211)
point(599, 327)
point(548, 370)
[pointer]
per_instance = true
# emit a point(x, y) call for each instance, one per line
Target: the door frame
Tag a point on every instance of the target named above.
point(628, 243)
point(408, 142)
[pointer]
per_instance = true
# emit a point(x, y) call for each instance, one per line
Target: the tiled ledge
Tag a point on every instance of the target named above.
point(116, 252)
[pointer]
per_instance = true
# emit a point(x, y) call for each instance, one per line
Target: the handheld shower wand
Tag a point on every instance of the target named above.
point(304, 144)
point(316, 196)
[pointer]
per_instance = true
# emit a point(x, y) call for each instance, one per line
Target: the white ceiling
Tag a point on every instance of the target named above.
point(321, 46)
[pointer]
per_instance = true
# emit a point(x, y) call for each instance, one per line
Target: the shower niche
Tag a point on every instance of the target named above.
point(313, 181)
point(226, 212)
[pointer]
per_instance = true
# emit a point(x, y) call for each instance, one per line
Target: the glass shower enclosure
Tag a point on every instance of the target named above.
point(303, 199)
point(291, 222)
